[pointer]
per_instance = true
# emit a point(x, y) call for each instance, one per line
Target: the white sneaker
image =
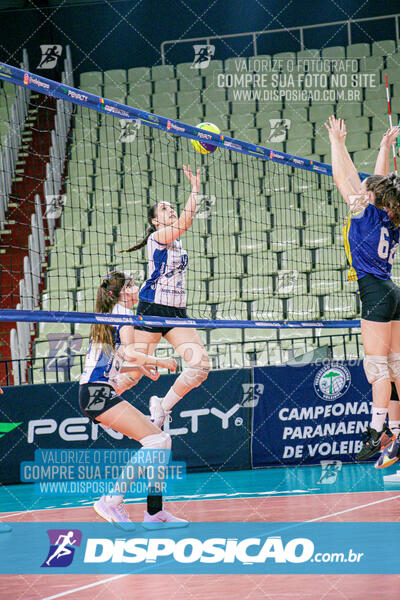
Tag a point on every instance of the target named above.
point(163, 520)
point(157, 413)
point(114, 512)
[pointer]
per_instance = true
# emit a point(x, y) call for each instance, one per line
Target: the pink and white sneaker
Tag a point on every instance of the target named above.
point(114, 511)
point(162, 520)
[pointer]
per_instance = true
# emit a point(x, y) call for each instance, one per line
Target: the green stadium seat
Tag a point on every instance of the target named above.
point(213, 95)
point(285, 56)
point(251, 242)
point(307, 54)
point(298, 258)
point(140, 87)
point(303, 308)
point(258, 219)
point(319, 114)
point(242, 121)
point(304, 184)
point(333, 52)
point(276, 182)
point(234, 64)
point(188, 99)
point(356, 142)
point(234, 267)
point(165, 85)
point(162, 72)
point(259, 335)
point(245, 107)
point(115, 77)
point(218, 119)
point(223, 290)
point(299, 147)
point(164, 100)
point(282, 239)
point(359, 124)
point(263, 118)
point(371, 108)
point(326, 282)
point(300, 131)
point(267, 309)
point(215, 66)
point(224, 336)
point(257, 286)
point(137, 74)
point(322, 215)
point(297, 114)
point(317, 237)
point(247, 135)
point(392, 70)
point(232, 309)
point(340, 306)
point(349, 110)
point(90, 78)
point(217, 245)
point(358, 50)
point(365, 159)
point(187, 71)
point(262, 264)
point(375, 93)
point(189, 85)
point(333, 258)
point(383, 48)
point(290, 283)
point(290, 217)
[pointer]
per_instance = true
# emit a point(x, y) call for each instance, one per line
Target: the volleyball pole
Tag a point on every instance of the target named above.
point(390, 122)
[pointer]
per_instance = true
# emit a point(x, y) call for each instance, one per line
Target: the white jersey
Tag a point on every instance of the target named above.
point(101, 367)
point(167, 265)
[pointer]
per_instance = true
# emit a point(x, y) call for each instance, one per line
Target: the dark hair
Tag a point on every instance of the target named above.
point(106, 298)
point(387, 194)
point(151, 214)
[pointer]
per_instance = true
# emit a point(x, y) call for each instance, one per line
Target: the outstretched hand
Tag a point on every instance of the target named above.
point(390, 137)
point(194, 179)
point(336, 129)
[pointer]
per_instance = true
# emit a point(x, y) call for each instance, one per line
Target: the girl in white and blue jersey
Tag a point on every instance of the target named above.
point(164, 295)
point(371, 237)
point(112, 366)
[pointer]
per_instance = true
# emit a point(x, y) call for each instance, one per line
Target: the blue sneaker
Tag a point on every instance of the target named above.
point(389, 455)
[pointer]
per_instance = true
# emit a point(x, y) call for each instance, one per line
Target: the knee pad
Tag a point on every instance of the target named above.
point(194, 376)
point(376, 368)
point(394, 366)
point(159, 440)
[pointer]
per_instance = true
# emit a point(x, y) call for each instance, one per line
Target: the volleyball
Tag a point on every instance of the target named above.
point(202, 146)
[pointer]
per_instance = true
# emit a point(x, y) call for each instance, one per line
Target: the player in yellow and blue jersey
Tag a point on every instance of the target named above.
point(371, 239)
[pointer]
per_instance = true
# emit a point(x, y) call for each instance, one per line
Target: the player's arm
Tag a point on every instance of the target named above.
point(382, 166)
point(134, 359)
point(345, 174)
point(172, 232)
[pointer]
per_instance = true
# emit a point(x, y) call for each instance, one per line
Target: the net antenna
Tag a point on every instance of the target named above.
point(390, 121)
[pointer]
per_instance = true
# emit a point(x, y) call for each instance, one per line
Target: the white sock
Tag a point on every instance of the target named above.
point(170, 399)
point(394, 427)
point(114, 499)
point(378, 418)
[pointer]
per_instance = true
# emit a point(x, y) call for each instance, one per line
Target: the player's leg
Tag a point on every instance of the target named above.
point(376, 338)
point(187, 342)
point(126, 419)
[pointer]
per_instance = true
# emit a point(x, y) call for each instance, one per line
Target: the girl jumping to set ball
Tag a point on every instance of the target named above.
point(113, 366)
point(164, 295)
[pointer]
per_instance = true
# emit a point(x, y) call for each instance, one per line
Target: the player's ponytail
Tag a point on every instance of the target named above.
point(387, 194)
point(106, 298)
point(151, 214)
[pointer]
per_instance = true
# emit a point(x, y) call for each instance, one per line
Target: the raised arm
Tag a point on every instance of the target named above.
point(345, 174)
point(174, 231)
point(382, 162)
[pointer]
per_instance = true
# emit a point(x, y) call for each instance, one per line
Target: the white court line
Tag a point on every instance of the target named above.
point(85, 587)
point(195, 498)
point(90, 585)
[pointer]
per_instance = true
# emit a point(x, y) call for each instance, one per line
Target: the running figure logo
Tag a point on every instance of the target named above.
point(202, 55)
point(62, 547)
point(279, 129)
point(50, 55)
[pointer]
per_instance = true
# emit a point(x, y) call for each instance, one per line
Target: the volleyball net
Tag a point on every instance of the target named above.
point(265, 248)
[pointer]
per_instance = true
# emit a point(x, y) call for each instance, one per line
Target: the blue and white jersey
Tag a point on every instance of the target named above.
point(370, 242)
point(167, 265)
point(101, 367)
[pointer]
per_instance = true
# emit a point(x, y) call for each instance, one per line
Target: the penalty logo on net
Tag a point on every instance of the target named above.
point(332, 382)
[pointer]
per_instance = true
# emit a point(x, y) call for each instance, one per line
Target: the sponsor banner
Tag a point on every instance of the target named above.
point(200, 548)
point(210, 428)
point(310, 413)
